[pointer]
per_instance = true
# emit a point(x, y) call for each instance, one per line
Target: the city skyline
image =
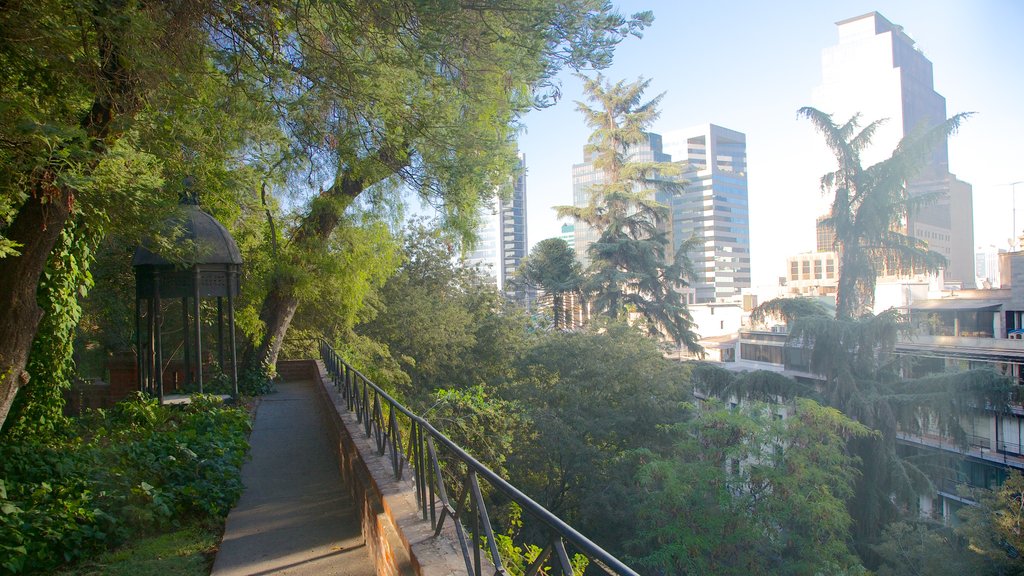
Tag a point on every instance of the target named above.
point(752, 69)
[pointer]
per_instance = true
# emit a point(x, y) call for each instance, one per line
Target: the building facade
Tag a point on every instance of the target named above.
point(813, 274)
point(876, 71)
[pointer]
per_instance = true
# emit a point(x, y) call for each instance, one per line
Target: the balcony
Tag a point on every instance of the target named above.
point(978, 447)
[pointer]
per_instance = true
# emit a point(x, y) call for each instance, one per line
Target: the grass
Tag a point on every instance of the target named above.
point(185, 552)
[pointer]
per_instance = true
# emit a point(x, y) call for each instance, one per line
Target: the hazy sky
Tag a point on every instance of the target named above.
point(748, 65)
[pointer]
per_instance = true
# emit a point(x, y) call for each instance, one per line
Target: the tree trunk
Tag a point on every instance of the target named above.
point(37, 228)
point(277, 313)
point(556, 303)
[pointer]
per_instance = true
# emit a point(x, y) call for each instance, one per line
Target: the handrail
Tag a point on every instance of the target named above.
point(420, 452)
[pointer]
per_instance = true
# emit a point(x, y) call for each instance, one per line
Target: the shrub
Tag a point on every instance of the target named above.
point(135, 468)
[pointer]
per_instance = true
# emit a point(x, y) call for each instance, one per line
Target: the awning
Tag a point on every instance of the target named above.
point(957, 304)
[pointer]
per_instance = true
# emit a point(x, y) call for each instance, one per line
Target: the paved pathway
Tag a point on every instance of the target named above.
point(295, 516)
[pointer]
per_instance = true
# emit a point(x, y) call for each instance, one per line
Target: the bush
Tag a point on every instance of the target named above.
point(133, 469)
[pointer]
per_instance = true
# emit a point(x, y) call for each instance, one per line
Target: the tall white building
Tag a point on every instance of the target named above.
point(875, 70)
point(713, 208)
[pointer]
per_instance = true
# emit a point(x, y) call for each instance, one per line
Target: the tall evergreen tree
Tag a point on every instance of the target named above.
point(631, 270)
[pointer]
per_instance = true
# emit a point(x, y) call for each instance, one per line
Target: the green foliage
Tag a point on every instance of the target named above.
point(488, 428)
point(184, 552)
point(593, 399)
point(926, 548)
point(994, 529)
point(788, 310)
point(443, 324)
point(38, 409)
point(137, 467)
point(552, 267)
point(518, 558)
point(746, 493)
point(863, 380)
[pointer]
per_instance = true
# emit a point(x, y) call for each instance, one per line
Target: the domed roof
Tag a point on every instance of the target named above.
point(212, 242)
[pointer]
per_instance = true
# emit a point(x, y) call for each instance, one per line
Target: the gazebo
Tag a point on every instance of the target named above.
point(206, 267)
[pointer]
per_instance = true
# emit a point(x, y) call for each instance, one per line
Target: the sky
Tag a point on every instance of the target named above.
point(748, 65)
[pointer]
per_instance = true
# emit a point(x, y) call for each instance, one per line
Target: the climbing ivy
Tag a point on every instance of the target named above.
point(38, 408)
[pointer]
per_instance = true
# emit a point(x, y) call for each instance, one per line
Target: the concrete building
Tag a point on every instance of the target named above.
point(812, 274)
point(873, 52)
point(713, 208)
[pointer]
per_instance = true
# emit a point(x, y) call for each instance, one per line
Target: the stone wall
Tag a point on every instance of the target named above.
point(397, 538)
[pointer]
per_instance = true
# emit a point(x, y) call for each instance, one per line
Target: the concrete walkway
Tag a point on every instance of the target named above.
point(295, 516)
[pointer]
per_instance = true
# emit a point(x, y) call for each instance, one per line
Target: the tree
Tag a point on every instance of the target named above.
point(994, 529)
point(631, 269)
point(355, 96)
point(77, 75)
point(552, 267)
point(593, 398)
point(442, 323)
point(745, 493)
point(870, 205)
point(385, 96)
point(926, 548)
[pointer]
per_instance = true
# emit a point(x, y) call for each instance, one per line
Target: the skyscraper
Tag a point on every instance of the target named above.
point(501, 238)
point(713, 207)
point(875, 70)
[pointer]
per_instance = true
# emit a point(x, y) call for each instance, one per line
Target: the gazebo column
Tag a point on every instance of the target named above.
point(139, 372)
point(199, 332)
point(186, 345)
point(158, 359)
point(231, 331)
point(150, 344)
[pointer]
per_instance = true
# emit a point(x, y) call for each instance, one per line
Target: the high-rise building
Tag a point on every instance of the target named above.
point(501, 238)
point(712, 207)
point(876, 71)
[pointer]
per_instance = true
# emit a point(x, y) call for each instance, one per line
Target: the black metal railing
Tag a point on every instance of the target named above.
point(409, 440)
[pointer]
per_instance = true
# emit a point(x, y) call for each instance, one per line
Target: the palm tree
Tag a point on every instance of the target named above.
point(631, 270)
point(853, 351)
point(870, 206)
